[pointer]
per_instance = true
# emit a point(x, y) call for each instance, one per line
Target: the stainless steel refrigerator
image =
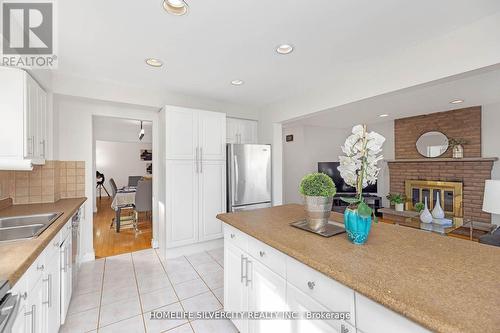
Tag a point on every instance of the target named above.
point(248, 176)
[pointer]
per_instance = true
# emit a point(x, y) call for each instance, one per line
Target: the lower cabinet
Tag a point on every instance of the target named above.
point(258, 278)
point(44, 290)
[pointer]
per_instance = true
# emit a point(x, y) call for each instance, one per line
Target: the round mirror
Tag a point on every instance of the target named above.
point(432, 144)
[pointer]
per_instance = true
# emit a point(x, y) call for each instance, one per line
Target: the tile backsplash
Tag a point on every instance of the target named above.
point(45, 183)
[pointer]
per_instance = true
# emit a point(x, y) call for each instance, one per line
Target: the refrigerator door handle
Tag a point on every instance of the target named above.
point(236, 179)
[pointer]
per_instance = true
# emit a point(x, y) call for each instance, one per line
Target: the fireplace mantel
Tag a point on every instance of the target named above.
point(427, 160)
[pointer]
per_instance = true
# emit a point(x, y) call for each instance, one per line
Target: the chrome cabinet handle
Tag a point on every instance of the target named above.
point(311, 285)
point(40, 267)
point(262, 253)
point(32, 313)
point(30, 147)
point(247, 280)
point(243, 266)
point(33, 145)
point(49, 290)
point(232, 235)
point(43, 147)
point(24, 295)
point(63, 262)
point(236, 178)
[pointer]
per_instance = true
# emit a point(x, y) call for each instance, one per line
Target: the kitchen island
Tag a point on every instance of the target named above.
point(404, 279)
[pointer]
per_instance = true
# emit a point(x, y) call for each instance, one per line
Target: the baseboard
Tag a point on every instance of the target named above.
point(194, 248)
point(90, 256)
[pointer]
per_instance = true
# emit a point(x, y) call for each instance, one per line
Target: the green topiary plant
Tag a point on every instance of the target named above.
point(317, 185)
point(419, 207)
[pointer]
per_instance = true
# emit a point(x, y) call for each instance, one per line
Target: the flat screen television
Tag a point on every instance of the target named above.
point(330, 168)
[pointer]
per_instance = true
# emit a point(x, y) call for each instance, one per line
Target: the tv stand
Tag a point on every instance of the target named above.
point(373, 200)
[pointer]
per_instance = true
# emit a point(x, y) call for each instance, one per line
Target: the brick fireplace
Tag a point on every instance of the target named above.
point(471, 171)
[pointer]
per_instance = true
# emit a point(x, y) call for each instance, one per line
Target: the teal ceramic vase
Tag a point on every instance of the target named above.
point(357, 227)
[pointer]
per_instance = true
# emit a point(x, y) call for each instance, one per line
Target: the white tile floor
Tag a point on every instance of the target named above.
point(116, 294)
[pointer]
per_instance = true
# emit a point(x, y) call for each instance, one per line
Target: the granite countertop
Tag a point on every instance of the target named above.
point(445, 284)
point(17, 256)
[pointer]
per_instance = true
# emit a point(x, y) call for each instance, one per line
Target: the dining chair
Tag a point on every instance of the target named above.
point(132, 180)
point(143, 199)
point(114, 188)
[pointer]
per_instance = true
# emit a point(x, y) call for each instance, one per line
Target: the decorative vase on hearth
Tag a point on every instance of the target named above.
point(425, 215)
point(438, 212)
point(458, 151)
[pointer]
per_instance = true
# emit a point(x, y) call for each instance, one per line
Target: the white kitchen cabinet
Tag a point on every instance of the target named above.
point(182, 202)
point(212, 198)
point(195, 184)
point(195, 134)
point(267, 292)
point(24, 125)
point(241, 131)
point(51, 300)
point(235, 292)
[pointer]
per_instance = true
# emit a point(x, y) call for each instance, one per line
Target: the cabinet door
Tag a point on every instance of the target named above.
point(301, 303)
point(181, 131)
point(65, 277)
point(181, 202)
point(235, 291)
point(248, 131)
point(12, 100)
point(267, 292)
point(51, 301)
point(30, 121)
point(212, 198)
point(232, 129)
point(41, 126)
point(33, 311)
point(212, 135)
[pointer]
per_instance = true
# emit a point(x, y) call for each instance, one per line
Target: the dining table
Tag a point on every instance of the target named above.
point(124, 198)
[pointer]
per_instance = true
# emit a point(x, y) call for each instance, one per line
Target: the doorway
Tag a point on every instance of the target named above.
point(123, 160)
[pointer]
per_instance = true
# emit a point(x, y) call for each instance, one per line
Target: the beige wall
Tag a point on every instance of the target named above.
point(45, 183)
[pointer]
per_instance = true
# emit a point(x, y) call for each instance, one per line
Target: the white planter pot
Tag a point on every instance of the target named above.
point(400, 207)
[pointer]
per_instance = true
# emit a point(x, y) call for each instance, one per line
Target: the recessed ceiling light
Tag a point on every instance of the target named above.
point(284, 49)
point(175, 7)
point(154, 62)
point(237, 82)
point(457, 101)
point(383, 115)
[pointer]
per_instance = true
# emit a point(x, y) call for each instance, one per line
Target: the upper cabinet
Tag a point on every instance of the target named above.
point(23, 125)
point(242, 131)
point(195, 134)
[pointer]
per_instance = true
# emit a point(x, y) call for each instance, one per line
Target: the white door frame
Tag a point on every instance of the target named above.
point(146, 116)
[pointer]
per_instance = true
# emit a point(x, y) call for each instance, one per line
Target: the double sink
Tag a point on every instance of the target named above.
point(25, 227)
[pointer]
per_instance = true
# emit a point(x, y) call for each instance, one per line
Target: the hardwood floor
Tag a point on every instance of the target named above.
point(107, 242)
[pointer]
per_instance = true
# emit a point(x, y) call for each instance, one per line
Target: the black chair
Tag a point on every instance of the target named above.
point(100, 179)
point(114, 188)
point(491, 238)
point(133, 180)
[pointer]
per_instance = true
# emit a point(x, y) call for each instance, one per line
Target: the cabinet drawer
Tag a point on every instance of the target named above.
point(333, 295)
point(34, 272)
point(372, 317)
point(236, 237)
point(270, 257)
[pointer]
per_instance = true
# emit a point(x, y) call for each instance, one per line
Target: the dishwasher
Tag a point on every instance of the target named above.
point(8, 307)
point(75, 248)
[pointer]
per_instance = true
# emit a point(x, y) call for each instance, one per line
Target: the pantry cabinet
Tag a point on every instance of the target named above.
point(24, 125)
point(195, 175)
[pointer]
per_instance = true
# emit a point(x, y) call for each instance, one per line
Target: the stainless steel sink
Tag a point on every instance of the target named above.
point(24, 227)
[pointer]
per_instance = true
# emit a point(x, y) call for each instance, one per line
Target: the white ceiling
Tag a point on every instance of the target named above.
point(481, 87)
point(221, 40)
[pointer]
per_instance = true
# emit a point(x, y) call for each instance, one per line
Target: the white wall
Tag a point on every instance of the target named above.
point(74, 117)
point(313, 144)
point(118, 160)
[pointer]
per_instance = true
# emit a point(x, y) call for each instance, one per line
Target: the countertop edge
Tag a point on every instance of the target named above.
point(403, 309)
point(14, 277)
